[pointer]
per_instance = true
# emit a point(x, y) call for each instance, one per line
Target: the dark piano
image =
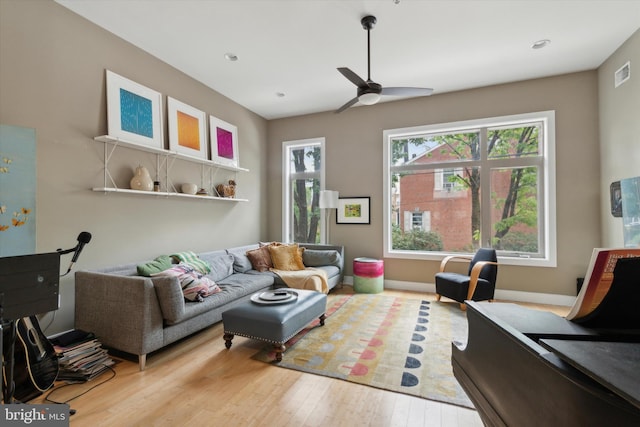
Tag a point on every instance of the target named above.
point(524, 367)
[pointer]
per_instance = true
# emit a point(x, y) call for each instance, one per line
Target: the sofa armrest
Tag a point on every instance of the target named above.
point(123, 311)
point(317, 258)
point(337, 248)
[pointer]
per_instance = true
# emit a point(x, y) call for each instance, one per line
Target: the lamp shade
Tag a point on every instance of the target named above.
point(328, 199)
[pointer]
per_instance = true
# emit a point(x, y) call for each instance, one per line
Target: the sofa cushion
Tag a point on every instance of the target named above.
point(286, 257)
point(318, 258)
point(221, 264)
point(195, 286)
point(260, 259)
point(233, 288)
point(170, 297)
point(241, 263)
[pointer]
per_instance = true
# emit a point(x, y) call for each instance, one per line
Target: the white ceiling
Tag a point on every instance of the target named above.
point(295, 46)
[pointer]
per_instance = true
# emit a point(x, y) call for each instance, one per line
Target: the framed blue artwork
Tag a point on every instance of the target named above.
point(17, 191)
point(134, 112)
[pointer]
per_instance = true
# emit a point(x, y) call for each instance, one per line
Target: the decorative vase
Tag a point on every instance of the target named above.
point(141, 180)
point(189, 188)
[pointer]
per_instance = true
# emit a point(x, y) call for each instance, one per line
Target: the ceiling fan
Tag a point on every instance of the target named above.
point(369, 92)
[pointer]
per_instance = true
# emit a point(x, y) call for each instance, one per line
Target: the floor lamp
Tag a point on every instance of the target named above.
point(328, 201)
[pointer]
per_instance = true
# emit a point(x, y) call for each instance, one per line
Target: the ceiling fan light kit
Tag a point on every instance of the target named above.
point(369, 92)
point(369, 98)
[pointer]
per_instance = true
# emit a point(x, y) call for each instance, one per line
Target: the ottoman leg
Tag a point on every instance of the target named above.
point(322, 319)
point(227, 340)
point(279, 349)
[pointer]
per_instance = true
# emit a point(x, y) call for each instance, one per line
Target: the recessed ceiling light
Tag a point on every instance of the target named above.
point(540, 44)
point(230, 57)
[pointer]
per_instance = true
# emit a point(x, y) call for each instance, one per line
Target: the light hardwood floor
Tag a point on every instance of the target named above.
point(198, 382)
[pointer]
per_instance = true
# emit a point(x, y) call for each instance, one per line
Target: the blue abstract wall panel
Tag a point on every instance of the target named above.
point(17, 190)
point(631, 211)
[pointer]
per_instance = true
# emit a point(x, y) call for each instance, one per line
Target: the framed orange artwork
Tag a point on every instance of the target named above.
point(187, 129)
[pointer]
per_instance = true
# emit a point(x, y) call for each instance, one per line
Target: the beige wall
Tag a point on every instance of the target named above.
point(619, 131)
point(354, 168)
point(52, 79)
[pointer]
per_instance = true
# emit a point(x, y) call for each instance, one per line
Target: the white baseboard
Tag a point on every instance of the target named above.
point(501, 294)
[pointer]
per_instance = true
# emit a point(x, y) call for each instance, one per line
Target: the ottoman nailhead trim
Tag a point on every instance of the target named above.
point(266, 340)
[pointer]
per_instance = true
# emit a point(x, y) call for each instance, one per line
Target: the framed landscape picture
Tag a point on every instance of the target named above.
point(134, 112)
point(224, 142)
point(353, 210)
point(187, 129)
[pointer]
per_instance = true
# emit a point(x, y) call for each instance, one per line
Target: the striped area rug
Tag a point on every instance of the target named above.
point(392, 343)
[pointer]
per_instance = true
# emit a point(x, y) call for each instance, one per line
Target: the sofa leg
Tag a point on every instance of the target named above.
point(438, 296)
point(142, 361)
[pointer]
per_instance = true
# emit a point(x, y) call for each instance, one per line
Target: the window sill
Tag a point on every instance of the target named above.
point(503, 260)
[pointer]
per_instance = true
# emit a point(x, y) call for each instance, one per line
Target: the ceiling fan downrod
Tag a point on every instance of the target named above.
point(367, 23)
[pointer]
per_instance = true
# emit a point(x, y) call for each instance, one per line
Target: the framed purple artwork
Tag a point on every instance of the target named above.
point(224, 142)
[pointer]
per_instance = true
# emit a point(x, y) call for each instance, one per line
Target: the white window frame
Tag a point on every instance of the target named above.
point(547, 208)
point(288, 176)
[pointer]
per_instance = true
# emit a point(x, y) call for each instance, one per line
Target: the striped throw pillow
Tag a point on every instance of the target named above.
point(191, 259)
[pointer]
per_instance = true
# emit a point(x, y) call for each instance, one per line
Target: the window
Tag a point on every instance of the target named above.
point(303, 178)
point(482, 183)
point(447, 179)
point(417, 221)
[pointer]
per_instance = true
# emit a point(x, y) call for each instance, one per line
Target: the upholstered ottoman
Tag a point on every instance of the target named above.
point(274, 322)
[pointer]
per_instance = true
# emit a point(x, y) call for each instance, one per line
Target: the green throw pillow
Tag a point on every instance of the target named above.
point(162, 263)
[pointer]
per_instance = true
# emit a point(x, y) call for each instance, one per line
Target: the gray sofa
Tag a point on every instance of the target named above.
point(139, 315)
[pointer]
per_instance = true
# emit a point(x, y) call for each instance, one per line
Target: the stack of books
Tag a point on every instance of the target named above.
point(81, 356)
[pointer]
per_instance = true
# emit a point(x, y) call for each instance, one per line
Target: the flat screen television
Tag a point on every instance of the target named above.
point(29, 285)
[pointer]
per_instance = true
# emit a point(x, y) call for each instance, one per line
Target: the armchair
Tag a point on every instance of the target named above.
point(478, 285)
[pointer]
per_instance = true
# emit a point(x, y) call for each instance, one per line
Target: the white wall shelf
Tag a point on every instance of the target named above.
point(121, 142)
point(163, 194)
point(165, 159)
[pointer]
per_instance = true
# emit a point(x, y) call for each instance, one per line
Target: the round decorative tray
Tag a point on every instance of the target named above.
point(274, 297)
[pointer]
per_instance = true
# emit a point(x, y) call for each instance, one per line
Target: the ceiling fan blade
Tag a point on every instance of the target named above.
point(347, 105)
point(406, 91)
point(353, 77)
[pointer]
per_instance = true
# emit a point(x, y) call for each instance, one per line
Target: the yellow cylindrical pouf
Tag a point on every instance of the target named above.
point(368, 275)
